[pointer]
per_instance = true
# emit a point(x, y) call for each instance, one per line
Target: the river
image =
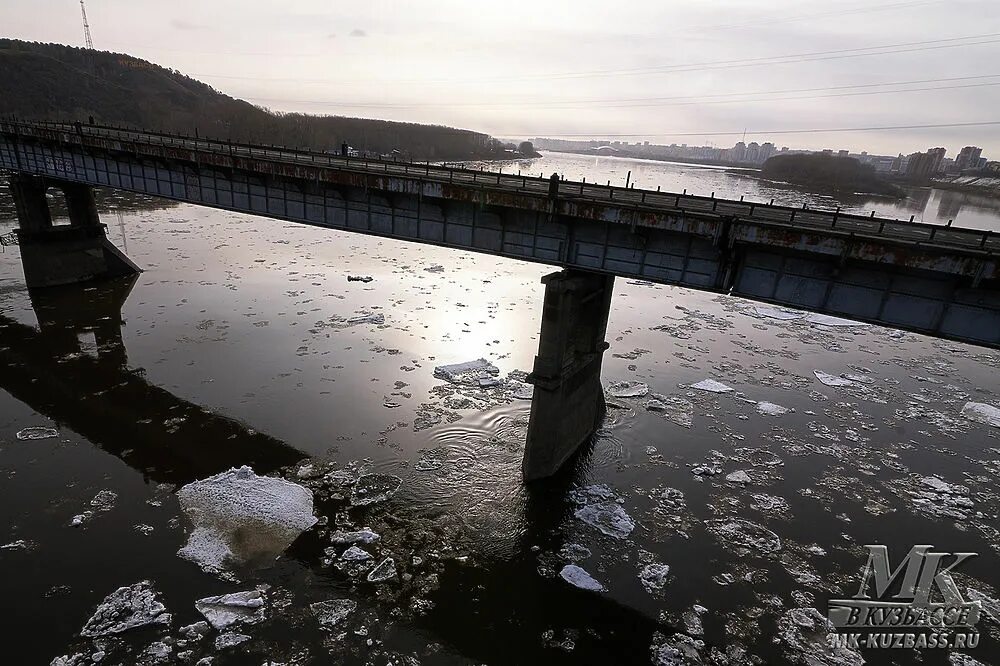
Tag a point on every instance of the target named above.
point(714, 522)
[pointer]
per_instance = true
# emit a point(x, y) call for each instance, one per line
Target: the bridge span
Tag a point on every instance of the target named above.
point(941, 281)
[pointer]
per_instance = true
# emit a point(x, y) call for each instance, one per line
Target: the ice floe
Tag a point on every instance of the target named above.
point(126, 608)
point(226, 609)
point(832, 380)
point(771, 409)
point(385, 570)
point(741, 533)
point(355, 554)
point(981, 412)
point(333, 612)
point(239, 517)
point(372, 488)
point(578, 577)
point(627, 389)
point(739, 476)
point(468, 373)
point(364, 535)
point(826, 320)
point(654, 576)
point(600, 510)
point(778, 313)
point(712, 386)
point(37, 432)
point(230, 639)
point(804, 635)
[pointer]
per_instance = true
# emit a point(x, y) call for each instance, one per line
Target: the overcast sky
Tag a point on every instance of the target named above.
point(659, 70)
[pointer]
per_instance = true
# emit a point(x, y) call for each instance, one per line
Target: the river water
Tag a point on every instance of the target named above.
point(712, 521)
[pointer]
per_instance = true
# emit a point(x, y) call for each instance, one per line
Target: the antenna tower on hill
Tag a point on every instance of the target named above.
point(86, 27)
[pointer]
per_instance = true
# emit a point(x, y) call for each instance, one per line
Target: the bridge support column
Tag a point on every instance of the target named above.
point(54, 255)
point(568, 403)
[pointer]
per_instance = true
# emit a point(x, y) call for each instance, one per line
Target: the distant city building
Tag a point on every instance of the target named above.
point(828, 151)
point(843, 153)
point(739, 153)
point(968, 158)
point(766, 151)
point(925, 164)
point(753, 152)
point(982, 163)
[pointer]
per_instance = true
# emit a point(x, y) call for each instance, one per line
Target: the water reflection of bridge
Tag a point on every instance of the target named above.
point(91, 390)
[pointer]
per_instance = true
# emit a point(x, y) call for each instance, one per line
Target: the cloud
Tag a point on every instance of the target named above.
point(358, 32)
point(332, 35)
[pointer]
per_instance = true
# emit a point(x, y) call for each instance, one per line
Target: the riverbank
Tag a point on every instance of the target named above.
point(981, 185)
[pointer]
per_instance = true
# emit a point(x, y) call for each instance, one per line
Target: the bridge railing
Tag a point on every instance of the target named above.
point(766, 213)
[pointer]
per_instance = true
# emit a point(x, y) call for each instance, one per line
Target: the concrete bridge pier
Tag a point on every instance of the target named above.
point(54, 255)
point(568, 403)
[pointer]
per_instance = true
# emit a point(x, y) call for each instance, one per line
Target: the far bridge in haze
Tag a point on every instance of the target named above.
point(941, 281)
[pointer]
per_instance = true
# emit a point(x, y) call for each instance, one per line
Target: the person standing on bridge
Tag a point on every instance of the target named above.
point(553, 185)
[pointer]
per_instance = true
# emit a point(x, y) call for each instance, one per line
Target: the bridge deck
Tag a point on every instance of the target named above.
point(939, 280)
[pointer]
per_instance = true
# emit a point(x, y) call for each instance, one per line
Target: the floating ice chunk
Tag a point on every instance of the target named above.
point(778, 313)
point(609, 517)
point(628, 389)
point(363, 535)
point(574, 552)
point(360, 278)
point(469, 372)
point(385, 570)
point(692, 620)
point(488, 382)
point(832, 380)
point(37, 432)
point(737, 532)
point(372, 488)
point(805, 633)
point(673, 408)
point(436, 268)
point(20, 544)
point(240, 517)
point(960, 659)
point(711, 386)
point(333, 612)
point(982, 413)
point(771, 409)
point(126, 608)
point(229, 639)
point(706, 470)
point(373, 318)
point(827, 320)
point(654, 576)
point(226, 609)
point(156, 652)
point(598, 492)
point(578, 577)
point(523, 391)
point(195, 631)
point(678, 650)
point(355, 554)
point(739, 476)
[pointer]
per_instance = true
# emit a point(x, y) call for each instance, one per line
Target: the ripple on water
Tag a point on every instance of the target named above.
point(473, 468)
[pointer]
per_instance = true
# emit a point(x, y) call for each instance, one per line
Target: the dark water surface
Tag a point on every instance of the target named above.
point(236, 347)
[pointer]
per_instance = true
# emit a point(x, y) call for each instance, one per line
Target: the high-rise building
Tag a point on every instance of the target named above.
point(766, 151)
point(968, 158)
point(925, 164)
point(753, 152)
point(843, 153)
point(739, 153)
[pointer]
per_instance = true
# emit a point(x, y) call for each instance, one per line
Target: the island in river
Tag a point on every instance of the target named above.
point(829, 173)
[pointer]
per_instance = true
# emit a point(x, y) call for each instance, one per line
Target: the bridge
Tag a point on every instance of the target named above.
point(942, 281)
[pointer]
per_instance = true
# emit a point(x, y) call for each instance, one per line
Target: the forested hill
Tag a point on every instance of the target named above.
point(56, 82)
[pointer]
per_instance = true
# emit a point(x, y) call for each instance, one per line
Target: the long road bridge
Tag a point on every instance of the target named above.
point(942, 281)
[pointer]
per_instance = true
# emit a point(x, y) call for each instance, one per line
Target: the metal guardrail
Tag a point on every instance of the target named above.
point(764, 213)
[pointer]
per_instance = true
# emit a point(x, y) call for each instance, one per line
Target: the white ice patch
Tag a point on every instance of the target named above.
point(364, 535)
point(982, 413)
point(229, 639)
point(372, 488)
point(523, 391)
point(37, 432)
point(333, 612)
point(804, 632)
point(740, 533)
point(739, 476)
point(469, 372)
point(226, 609)
point(239, 518)
point(771, 409)
point(608, 517)
point(126, 608)
point(578, 577)
point(712, 386)
point(385, 570)
point(827, 320)
point(355, 554)
point(832, 380)
point(654, 577)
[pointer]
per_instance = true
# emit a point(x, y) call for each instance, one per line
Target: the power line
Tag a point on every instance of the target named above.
point(660, 101)
point(811, 56)
point(779, 131)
